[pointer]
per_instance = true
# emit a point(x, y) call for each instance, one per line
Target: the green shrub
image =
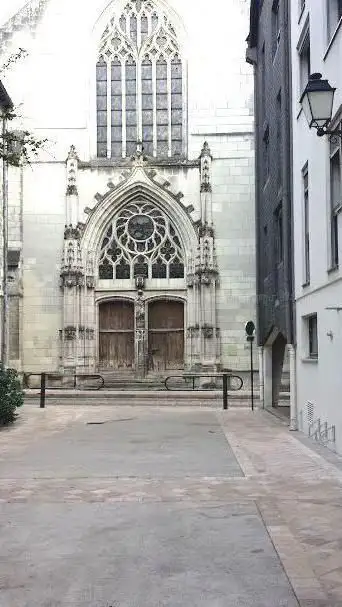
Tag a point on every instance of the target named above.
point(11, 395)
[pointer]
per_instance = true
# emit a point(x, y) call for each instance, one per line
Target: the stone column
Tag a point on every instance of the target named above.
point(73, 332)
point(72, 281)
point(140, 337)
point(268, 400)
point(206, 270)
point(293, 388)
point(88, 307)
point(193, 341)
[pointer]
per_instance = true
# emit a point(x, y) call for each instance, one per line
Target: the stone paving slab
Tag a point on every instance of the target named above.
point(137, 555)
point(149, 446)
point(290, 490)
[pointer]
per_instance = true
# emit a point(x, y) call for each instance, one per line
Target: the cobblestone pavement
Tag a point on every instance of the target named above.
point(240, 483)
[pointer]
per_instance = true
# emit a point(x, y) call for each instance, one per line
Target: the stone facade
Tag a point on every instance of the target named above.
point(69, 195)
point(269, 52)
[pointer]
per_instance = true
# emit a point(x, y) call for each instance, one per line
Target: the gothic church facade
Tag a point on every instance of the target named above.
point(132, 234)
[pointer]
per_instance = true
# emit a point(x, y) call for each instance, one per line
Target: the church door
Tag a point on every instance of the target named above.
point(166, 335)
point(116, 335)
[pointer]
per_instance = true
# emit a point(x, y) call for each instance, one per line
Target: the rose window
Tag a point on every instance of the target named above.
point(141, 241)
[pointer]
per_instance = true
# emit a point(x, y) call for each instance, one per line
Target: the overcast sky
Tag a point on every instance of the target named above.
point(8, 8)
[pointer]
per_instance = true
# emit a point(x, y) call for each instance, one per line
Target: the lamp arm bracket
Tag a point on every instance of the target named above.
point(337, 133)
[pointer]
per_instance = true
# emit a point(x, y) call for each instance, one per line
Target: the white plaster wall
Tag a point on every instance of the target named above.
point(56, 86)
point(319, 382)
point(44, 218)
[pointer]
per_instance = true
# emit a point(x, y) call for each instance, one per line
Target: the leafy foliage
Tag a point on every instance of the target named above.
point(17, 147)
point(11, 395)
point(14, 58)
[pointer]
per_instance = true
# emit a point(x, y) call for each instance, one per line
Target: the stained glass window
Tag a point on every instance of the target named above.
point(141, 240)
point(139, 52)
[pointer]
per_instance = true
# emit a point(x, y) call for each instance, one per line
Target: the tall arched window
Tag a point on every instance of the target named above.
point(139, 78)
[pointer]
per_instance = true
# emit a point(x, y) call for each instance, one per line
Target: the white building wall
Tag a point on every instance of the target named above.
point(318, 381)
point(55, 84)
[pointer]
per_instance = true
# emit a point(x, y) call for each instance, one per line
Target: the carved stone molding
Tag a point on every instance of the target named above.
point(206, 276)
point(205, 230)
point(206, 150)
point(140, 313)
point(90, 282)
point(206, 186)
point(208, 331)
point(86, 333)
point(193, 331)
point(70, 333)
point(191, 279)
point(72, 190)
point(71, 279)
point(73, 232)
point(72, 154)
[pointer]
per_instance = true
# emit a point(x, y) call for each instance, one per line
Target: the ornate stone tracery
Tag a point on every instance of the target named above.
point(141, 240)
point(140, 84)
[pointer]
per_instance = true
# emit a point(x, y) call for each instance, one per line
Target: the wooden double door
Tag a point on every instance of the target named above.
point(116, 335)
point(164, 346)
point(165, 335)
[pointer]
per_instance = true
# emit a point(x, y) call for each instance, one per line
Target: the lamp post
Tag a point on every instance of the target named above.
point(250, 335)
point(6, 106)
point(317, 102)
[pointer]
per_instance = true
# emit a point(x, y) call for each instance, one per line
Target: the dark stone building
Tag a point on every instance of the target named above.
point(269, 52)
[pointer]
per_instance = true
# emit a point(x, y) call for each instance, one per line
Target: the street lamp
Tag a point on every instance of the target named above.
point(317, 103)
point(6, 106)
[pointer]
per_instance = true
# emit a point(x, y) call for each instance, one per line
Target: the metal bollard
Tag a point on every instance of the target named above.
point(42, 390)
point(225, 391)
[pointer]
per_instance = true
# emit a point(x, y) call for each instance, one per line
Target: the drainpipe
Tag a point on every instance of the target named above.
point(288, 198)
point(261, 376)
point(293, 388)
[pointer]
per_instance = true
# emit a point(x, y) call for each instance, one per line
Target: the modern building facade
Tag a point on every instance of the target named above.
point(317, 47)
point(135, 229)
point(269, 52)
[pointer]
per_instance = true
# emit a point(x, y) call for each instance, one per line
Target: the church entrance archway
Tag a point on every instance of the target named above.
point(116, 335)
point(165, 335)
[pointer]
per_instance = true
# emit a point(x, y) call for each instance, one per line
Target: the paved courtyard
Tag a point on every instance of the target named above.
point(177, 507)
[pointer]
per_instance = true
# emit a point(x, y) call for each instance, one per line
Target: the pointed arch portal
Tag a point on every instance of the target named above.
point(140, 288)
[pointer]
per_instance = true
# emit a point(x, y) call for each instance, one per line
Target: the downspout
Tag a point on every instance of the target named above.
point(288, 228)
point(251, 58)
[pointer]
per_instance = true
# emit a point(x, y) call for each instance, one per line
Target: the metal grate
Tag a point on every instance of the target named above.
point(310, 410)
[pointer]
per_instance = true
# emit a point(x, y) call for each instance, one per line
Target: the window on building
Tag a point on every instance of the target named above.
point(304, 60)
point(306, 215)
point(312, 335)
point(266, 154)
point(141, 240)
point(279, 140)
point(335, 197)
point(279, 234)
point(140, 85)
point(334, 14)
point(275, 26)
point(263, 253)
point(263, 82)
